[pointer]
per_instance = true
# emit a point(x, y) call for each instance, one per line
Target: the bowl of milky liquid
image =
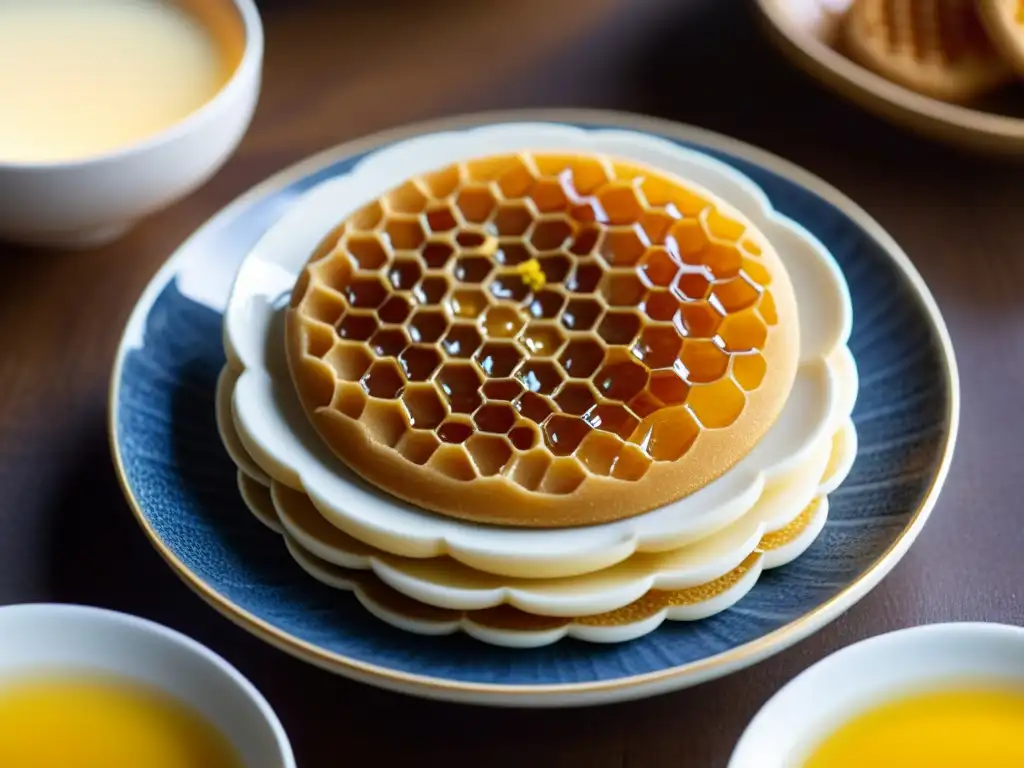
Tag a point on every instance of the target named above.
point(83, 686)
point(113, 109)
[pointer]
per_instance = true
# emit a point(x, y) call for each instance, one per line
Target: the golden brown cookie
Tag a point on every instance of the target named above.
point(1004, 20)
point(935, 47)
point(543, 340)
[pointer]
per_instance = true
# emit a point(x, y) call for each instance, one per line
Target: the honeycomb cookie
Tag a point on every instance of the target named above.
point(1004, 20)
point(937, 48)
point(543, 340)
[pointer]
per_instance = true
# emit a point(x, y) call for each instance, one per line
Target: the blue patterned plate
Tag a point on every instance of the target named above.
point(181, 484)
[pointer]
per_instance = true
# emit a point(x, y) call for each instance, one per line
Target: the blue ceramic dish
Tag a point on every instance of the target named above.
point(181, 484)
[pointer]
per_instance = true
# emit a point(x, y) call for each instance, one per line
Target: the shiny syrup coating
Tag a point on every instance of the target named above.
point(538, 317)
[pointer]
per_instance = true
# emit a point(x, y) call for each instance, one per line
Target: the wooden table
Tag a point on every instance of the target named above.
point(334, 72)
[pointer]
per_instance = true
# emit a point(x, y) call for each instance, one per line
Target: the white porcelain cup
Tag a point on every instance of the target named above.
point(94, 200)
point(872, 672)
point(48, 638)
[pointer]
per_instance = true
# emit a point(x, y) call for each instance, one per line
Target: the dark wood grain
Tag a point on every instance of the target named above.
point(338, 70)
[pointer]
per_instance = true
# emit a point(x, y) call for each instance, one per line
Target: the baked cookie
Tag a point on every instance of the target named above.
point(543, 340)
point(937, 48)
point(1004, 20)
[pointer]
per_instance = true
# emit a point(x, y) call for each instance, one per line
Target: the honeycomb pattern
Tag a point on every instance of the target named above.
point(540, 318)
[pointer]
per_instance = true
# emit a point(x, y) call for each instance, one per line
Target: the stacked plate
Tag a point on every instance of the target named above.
point(531, 381)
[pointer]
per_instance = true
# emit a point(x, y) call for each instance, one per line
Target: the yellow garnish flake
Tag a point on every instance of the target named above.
point(532, 274)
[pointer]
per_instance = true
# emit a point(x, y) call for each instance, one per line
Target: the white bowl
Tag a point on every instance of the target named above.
point(872, 672)
point(94, 200)
point(48, 637)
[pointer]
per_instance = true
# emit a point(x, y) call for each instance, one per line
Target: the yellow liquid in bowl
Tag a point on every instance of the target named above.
point(84, 77)
point(966, 728)
point(104, 723)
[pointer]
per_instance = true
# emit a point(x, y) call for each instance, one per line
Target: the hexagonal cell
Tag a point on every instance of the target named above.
point(540, 376)
point(473, 269)
point(716, 405)
point(667, 435)
point(529, 468)
point(317, 341)
point(749, 370)
point(659, 191)
point(499, 359)
point(598, 452)
point(419, 362)
point(689, 239)
point(620, 202)
point(503, 322)
point(443, 182)
point(441, 220)
point(581, 358)
point(698, 319)
point(549, 196)
point(660, 305)
point(631, 464)
point(534, 407)
point(490, 453)
point(588, 211)
point(383, 380)
point(546, 304)
point(349, 399)
point(644, 404)
point(542, 339)
point(743, 332)
point(555, 268)
point(585, 278)
point(366, 251)
point(333, 273)
point(766, 308)
point(407, 198)
point(349, 361)
point(721, 226)
point(436, 255)
point(425, 407)
point(324, 304)
point(616, 419)
point(624, 246)
point(453, 461)
point(658, 268)
point(723, 259)
point(404, 273)
point(394, 310)
point(495, 417)
point(620, 379)
point(456, 431)
point(366, 218)
point(431, 289)
point(470, 240)
point(404, 234)
point(524, 437)
point(757, 272)
point(468, 302)
point(693, 283)
point(476, 203)
point(512, 254)
point(736, 294)
point(460, 383)
point(581, 314)
point(582, 177)
point(563, 434)
point(366, 292)
point(657, 223)
point(658, 346)
point(385, 420)
point(618, 327)
point(622, 289)
point(586, 241)
point(563, 477)
point(505, 390)
point(669, 387)
point(509, 286)
point(512, 219)
point(427, 325)
point(389, 342)
point(550, 234)
point(462, 340)
point(357, 326)
point(516, 180)
point(704, 360)
point(576, 398)
point(418, 447)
